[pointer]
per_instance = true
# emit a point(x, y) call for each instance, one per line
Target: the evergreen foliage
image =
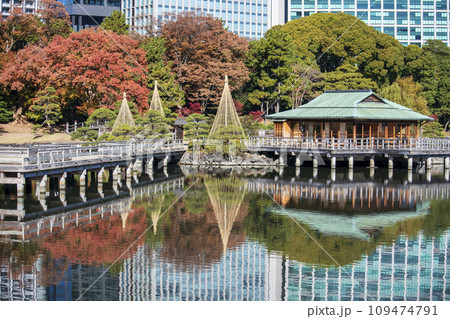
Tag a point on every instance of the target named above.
point(6, 113)
point(160, 70)
point(116, 23)
point(102, 117)
point(46, 108)
point(347, 77)
point(406, 92)
point(271, 61)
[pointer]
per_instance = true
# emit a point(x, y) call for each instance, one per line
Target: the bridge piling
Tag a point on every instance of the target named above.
point(333, 163)
point(447, 163)
point(429, 163)
point(390, 163)
point(410, 163)
point(350, 162)
point(372, 162)
point(83, 178)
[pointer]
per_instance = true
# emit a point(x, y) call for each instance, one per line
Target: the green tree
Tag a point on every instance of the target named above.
point(197, 126)
point(160, 70)
point(408, 93)
point(155, 125)
point(102, 117)
point(347, 77)
point(433, 129)
point(424, 69)
point(116, 23)
point(271, 61)
point(330, 40)
point(45, 108)
point(6, 113)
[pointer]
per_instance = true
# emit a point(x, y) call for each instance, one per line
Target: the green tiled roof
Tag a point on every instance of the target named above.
point(334, 105)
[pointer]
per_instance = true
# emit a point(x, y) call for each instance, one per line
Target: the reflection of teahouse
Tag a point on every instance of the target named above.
point(361, 227)
point(349, 114)
point(226, 196)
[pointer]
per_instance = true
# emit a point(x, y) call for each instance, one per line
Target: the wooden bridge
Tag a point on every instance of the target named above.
point(412, 150)
point(19, 164)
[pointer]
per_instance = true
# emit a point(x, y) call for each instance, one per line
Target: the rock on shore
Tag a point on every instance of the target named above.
point(247, 160)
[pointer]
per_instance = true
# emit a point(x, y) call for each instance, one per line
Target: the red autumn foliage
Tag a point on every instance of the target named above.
point(191, 108)
point(97, 67)
point(257, 115)
point(103, 241)
point(202, 53)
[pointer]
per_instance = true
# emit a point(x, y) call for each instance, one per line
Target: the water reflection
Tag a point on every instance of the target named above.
point(229, 236)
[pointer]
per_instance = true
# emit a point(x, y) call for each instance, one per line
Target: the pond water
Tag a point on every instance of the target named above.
point(232, 235)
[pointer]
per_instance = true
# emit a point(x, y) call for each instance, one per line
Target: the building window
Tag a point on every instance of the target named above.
point(362, 4)
point(322, 4)
point(349, 4)
point(415, 18)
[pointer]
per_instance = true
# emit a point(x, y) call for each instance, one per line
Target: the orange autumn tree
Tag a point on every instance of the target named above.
point(202, 52)
point(94, 68)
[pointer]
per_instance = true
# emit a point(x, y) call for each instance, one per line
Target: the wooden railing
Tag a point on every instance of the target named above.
point(350, 144)
point(63, 154)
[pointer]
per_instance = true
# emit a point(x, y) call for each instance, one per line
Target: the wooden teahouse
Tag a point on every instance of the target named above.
point(349, 114)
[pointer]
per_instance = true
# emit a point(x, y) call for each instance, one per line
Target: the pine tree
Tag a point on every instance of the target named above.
point(116, 23)
point(160, 70)
point(45, 108)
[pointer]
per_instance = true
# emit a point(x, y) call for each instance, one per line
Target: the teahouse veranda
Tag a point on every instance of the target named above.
point(349, 114)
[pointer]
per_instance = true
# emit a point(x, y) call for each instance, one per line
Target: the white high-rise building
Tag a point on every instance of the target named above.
point(27, 6)
point(247, 18)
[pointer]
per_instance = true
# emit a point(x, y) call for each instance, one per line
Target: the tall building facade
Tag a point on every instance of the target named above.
point(247, 18)
point(89, 13)
point(27, 6)
point(409, 21)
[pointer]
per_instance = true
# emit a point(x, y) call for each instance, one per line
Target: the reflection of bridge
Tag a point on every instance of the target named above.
point(364, 196)
point(40, 223)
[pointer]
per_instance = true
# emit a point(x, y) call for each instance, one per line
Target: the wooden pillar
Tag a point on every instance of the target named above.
point(429, 163)
point(416, 131)
point(378, 130)
point(354, 130)
point(401, 131)
point(370, 131)
point(372, 162)
point(408, 131)
point(362, 131)
point(390, 163)
point(393, 130)
point(386, 130)
point(315, 162)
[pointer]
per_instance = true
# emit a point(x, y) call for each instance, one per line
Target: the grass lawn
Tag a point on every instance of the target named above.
point(15, 133)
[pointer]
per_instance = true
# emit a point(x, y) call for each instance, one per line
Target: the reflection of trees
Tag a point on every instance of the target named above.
point(194, 238)
point(226, 195)
point(281, 233)
point(102, 241)
point(20, 257)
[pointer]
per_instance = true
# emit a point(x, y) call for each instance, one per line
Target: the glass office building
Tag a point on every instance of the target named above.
point(247, 18)
point(89, 13)
point(409, 21)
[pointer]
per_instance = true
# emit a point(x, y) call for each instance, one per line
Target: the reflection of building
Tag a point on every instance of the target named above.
point(409, 269)
point(89, 13)
point(239, 275)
